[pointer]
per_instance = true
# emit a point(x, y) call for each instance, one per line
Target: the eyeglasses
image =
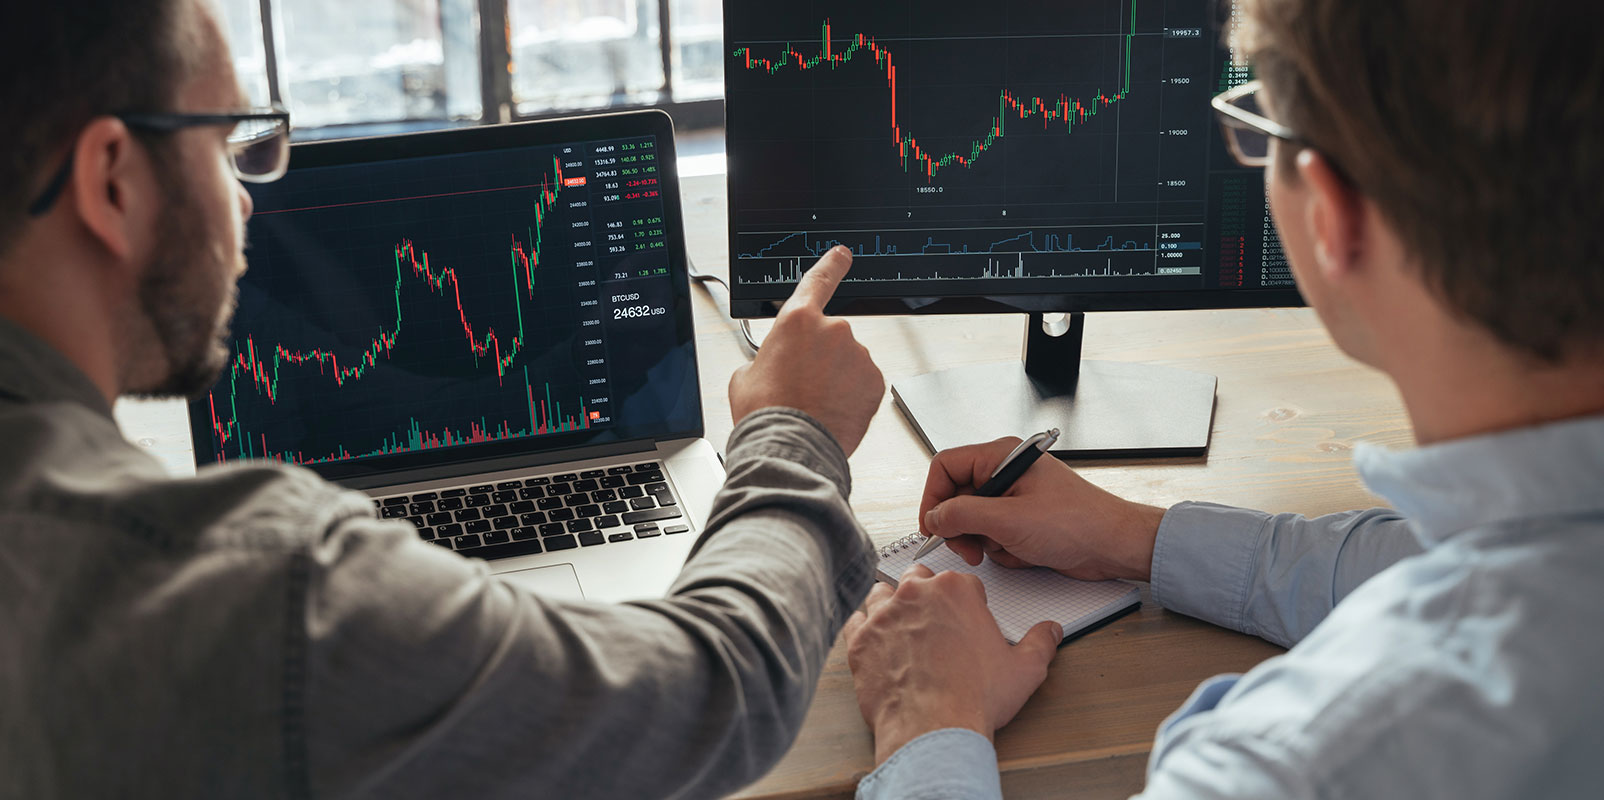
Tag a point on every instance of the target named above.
point(259, 144)
point(1247, 131)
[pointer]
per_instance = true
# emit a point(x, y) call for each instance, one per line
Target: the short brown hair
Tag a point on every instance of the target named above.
point(67, 62)
point(1477, 128)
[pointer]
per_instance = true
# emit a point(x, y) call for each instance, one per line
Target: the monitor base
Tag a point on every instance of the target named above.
point(1103, 409)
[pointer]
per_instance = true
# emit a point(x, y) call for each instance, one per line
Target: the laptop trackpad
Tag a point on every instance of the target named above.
point(558, 581)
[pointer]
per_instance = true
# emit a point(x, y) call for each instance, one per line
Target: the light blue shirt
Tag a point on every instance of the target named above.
point(1451, 649)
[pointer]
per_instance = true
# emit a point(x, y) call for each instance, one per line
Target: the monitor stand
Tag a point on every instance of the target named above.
point(1103, 409)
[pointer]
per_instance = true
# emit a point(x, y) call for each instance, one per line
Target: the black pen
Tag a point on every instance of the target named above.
point(1013, 467)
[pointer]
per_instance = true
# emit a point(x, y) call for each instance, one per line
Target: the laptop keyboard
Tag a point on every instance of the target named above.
point(543, 514)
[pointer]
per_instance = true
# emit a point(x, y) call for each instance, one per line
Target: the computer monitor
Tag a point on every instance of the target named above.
point(1013, 156)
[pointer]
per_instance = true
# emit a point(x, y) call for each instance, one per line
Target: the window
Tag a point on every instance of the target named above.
point(242, 24)
point(378, 61)
point(584, 55)
point(698, 48)
point(410, 64)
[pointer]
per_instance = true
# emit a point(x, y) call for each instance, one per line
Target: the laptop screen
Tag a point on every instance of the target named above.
point(421, 300)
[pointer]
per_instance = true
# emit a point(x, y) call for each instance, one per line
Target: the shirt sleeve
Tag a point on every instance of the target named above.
point(949, 764)
point(1230, 768)
point(423, 675)
point(1274, 576)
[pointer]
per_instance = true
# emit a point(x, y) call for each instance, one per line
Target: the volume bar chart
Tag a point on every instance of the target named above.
point(999, 253)
point(546, 416)
point(789, 271)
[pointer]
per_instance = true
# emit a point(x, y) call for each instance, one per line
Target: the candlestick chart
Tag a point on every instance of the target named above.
point(416, 312)
point(961, 149)
point(1061, 110)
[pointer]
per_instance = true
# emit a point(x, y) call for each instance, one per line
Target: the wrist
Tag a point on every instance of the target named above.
point(1140, 534)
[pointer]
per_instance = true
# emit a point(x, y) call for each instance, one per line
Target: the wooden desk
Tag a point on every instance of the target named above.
point(1289, 410)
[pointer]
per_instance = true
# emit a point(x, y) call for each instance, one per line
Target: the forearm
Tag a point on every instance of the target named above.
point(691, 695)
point(1275, 576)
point(782, 524)
point(767, 589)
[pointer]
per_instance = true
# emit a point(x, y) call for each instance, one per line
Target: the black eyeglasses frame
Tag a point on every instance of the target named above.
point(169, 122)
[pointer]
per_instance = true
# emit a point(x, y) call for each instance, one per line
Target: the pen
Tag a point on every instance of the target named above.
point(1014, 466)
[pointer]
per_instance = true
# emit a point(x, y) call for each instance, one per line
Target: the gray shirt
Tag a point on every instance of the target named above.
point(255, 632)
point(1450, 649)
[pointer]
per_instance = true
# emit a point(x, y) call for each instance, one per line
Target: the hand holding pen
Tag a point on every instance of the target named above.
point(1013, 467)
point(1050, 517)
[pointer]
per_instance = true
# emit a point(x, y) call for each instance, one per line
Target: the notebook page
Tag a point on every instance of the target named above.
point(1019, 598)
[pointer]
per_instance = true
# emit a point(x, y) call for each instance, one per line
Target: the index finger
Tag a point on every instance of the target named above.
point(818, 285)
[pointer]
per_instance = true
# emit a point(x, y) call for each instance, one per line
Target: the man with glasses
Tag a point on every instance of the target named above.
point(1434, 170)
point(254, 631)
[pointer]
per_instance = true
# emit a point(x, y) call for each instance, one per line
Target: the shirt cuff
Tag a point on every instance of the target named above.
point(1203, 560)
point(949, 764)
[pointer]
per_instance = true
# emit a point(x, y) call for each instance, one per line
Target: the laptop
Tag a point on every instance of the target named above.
point(487, 330)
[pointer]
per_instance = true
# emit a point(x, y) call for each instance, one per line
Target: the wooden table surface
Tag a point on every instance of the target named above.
point(1288, 411)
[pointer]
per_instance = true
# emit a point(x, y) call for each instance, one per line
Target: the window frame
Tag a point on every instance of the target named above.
point(497, 104)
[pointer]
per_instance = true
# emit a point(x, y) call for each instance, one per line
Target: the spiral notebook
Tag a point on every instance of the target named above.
point(1021, 598)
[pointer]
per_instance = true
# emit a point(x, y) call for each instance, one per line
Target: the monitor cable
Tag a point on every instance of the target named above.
point(705, 278)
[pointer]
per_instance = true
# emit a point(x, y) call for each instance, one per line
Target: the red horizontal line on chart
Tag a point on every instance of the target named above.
point(972, 38)
point(393, 199)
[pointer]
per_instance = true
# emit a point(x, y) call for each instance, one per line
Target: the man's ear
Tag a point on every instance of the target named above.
point(114, 190)
point(1335, 216)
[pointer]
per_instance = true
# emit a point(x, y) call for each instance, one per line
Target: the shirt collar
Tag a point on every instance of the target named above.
point(34, 372)
point(1545, 470)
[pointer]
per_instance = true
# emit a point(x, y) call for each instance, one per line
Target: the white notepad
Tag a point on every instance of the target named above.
point(1020, 598)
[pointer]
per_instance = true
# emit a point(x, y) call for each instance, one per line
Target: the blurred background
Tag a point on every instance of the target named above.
point(385, 66)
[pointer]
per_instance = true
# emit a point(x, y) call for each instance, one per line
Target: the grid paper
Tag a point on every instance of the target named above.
point(1019, 598)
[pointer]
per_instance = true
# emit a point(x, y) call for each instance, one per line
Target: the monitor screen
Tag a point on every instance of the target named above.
point(1008, 156)
point(419, 300)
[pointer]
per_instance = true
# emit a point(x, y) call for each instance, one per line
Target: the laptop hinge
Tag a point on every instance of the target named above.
point(488, 465)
